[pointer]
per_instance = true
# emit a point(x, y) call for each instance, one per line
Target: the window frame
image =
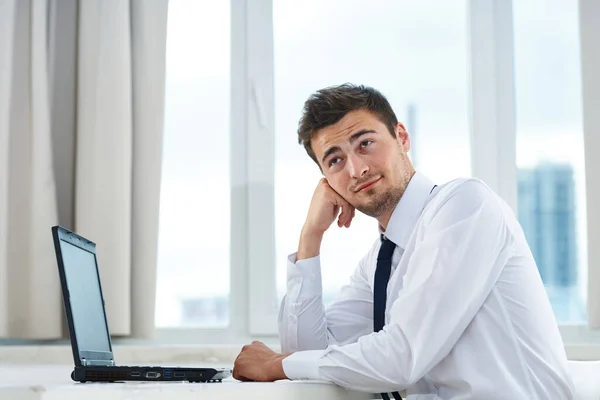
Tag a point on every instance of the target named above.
point(589, 31)
point(253, 308)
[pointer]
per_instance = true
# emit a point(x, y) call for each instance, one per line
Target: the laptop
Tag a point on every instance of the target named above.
point(88, 327)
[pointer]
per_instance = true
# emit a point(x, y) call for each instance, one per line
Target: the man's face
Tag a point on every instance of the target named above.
point(363, 162)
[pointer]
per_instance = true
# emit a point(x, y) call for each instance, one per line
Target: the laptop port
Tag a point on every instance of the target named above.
point(152, 375)
point(136, 373)
point(179, 374)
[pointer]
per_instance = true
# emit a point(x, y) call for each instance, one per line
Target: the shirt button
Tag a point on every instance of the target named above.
point(293, 318)
point(313, 277)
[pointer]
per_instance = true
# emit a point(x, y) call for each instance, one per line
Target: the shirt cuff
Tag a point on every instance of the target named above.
point(303, 365)
point(304, 277)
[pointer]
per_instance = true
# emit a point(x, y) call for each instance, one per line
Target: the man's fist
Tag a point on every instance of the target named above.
point(257, 362)
point(325, 207)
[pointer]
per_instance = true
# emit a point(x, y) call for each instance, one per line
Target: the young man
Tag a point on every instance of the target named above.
point(447, 304)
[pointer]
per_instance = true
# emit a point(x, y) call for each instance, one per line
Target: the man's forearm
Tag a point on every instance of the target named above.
point(310, 244)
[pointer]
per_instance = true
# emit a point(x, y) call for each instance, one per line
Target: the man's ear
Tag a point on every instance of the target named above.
point(403, 137)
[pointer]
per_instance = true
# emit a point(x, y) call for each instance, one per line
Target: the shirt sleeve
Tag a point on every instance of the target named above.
point(305, 324)
point(459, 254)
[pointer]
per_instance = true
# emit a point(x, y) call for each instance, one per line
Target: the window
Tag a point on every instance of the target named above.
point(419, 54)
point(415, 53)
point(550, 160)
point(193, 253)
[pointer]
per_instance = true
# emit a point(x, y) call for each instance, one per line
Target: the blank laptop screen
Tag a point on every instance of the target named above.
point(86, 300)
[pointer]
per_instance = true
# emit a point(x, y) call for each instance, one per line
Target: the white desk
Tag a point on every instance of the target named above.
point(53, 382)
point(43, 373)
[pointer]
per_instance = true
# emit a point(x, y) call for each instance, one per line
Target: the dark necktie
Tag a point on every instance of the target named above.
point(382, 276)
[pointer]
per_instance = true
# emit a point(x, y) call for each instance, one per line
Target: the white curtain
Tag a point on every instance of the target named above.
point(29, 292)
point(119, 140)
point(103, 85)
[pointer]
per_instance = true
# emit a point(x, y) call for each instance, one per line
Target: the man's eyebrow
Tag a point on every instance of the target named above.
point(352, 139)
point(329, 152)
point(359, 134)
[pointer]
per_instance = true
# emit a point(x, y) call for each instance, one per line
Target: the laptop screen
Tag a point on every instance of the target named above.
point(86, 300)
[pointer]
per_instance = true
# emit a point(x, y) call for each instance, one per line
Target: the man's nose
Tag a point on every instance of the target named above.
point(357, 167)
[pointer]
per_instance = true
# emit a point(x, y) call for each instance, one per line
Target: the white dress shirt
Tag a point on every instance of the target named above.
point(467, 315)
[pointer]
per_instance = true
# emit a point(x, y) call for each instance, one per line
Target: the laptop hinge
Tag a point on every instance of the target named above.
point(107, 363)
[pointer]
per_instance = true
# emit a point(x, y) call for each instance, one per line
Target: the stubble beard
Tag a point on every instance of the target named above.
point(381, 203)
point(386, 201)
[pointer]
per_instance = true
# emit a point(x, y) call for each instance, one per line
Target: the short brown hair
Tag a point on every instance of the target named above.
point(329, 105)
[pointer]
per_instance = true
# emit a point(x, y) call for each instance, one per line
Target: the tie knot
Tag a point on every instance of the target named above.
point(387, 249)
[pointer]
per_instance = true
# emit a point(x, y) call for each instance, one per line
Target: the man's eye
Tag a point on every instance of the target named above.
point(365, 143)
point(334, 161)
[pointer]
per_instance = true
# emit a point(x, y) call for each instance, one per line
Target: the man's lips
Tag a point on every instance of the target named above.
point(367, 185)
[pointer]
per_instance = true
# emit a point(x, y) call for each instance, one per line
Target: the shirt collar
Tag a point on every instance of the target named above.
point(409, 208)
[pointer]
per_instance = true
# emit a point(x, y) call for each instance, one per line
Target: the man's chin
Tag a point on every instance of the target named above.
point(371, 210)
point(379, 206)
